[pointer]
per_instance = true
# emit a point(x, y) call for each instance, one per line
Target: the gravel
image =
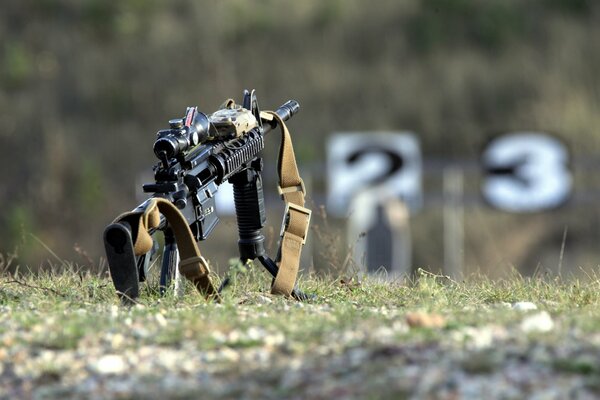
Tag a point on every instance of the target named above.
point(368, 358)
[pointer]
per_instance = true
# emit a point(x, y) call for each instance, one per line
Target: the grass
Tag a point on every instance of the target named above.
point(70, 314)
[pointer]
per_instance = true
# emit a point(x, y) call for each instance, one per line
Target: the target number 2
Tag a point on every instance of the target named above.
point(380, 162)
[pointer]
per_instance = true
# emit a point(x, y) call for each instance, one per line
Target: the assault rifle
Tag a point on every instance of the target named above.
point(198, 153)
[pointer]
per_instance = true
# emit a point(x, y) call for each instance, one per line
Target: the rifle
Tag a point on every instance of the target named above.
point(197, 154)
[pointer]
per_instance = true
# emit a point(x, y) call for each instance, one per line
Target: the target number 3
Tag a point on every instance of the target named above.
point(526, 172)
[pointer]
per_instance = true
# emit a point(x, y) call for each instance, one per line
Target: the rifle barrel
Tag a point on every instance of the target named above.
point(285, 112)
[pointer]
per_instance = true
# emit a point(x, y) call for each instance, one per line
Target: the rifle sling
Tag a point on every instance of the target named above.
point(296, 219)
point(193, 266)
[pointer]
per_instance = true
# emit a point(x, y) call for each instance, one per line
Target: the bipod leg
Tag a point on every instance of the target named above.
point(270, 266)
point(227, 281)
point(224, 284)
point(170, 261)
point(145, 261)
point(121, 262)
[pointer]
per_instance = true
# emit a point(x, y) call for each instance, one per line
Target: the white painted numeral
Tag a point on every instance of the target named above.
point(526, 172)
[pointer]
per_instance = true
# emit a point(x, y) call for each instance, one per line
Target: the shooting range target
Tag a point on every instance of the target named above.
point(526, 172)
point(357, 162)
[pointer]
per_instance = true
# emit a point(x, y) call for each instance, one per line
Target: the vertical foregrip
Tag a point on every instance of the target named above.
point(250, 211)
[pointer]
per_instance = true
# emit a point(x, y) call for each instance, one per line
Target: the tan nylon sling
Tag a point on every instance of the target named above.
point(296, 218)
point(192, 265)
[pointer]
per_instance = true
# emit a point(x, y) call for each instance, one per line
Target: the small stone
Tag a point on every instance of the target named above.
point(117, 340)
point(219, 337)
point(383, 333)
point(276, 339)
point(540, 322)
point(110, 364)
point(161, 320)
point(524, 306)
point(208, 356)
point(480, 338)
point(114, 311)
point(424, 320)
point(255, 334)
point(227, 354)
point(263, 300)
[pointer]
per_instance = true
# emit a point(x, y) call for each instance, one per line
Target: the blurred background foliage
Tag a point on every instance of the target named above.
point(84, 85)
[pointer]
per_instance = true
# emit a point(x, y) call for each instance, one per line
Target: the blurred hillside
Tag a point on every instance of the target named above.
point(84, 86)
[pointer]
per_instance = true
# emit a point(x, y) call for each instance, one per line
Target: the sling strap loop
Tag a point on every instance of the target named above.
point(296, 219)
point(193, 266)
point(292, 189)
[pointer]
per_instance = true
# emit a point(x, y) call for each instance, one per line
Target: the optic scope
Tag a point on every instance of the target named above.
point(181, 136)
point(197, 127)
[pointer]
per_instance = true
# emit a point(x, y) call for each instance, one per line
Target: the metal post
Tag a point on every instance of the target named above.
point(453, 222)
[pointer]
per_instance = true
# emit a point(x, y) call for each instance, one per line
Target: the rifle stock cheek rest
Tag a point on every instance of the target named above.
point(141, 219)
